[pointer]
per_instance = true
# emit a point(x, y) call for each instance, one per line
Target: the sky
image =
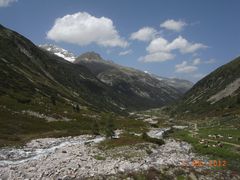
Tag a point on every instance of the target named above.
point(178, 39)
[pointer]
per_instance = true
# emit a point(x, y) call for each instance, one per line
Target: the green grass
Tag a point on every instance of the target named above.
point(224, 131)
point(125, 140)
point(17, 128)
point(227, 153)
point(100, 158)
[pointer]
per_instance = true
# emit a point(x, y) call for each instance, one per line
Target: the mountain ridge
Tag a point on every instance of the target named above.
point(102, 65)
point(36, 71)
point(217, 93)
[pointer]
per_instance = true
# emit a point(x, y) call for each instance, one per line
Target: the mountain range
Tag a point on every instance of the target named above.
point(144, 89)
point(35, 76)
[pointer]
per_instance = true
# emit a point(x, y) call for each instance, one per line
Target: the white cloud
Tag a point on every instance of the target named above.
point(210, 61)
point(173, 25)
point(123, 53)
point(185, 46)
point(83, 29)
point(197, 61)
point(157, 57)
point(184, 67)
point(158, 44)
point(144, 34)
point(5, 3)
point(181, 44)
point(160, 49)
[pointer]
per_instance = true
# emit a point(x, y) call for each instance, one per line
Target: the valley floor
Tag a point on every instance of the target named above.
point(83, 157)
point(129, 155)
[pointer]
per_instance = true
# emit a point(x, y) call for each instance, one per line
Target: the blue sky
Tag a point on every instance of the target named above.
point(185, 39)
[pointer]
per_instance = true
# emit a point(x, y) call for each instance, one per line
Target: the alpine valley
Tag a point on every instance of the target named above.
point(64, 116)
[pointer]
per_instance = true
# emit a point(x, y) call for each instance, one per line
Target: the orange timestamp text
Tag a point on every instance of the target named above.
point(210, 163)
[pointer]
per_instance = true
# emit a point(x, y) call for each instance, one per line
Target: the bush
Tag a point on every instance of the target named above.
point(95, 128)
point(109, 129)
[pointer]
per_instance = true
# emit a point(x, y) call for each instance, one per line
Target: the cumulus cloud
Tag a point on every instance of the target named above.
point(83, 29)
point(5, 3)
point(184, 67)
point(185, 46)
point(124, 53)
point(157, 57)
point(180, 43)
point(144, 34)
point(197, 61)
point(158, 44)
point(163, 49)
point(173, 25)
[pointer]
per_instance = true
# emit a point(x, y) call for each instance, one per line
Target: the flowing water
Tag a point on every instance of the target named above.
point(38, 148)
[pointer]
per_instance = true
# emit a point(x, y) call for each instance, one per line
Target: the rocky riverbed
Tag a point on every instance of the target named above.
point(80, 157)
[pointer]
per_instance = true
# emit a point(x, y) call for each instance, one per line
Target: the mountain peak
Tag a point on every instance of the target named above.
point(90, 56)
point(63, 53)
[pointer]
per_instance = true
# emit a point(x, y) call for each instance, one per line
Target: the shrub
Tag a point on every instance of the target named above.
point(95, 128)
point(109, 129)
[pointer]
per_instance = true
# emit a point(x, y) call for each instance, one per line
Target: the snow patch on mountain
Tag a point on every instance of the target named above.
point(63, 53)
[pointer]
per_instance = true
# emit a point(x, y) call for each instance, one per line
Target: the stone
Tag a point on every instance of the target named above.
point(192, 176)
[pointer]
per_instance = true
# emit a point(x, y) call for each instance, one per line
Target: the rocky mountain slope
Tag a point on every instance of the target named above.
point(180, 84)
point(137, 85)
point(51, 96)
point(218, 93)
point(30, 75)
point(144, 89)
point(89, 59)
point(63, 53)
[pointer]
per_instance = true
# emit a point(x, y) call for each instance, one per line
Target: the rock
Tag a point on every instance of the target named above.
point(192, 176)
point(31, 169)
point(66, 177)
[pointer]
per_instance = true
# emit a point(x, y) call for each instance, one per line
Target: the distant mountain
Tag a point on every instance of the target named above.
point(139, 86)
point(144, 89)
point(59, 52)
point(216, 94)
point(180, 84)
